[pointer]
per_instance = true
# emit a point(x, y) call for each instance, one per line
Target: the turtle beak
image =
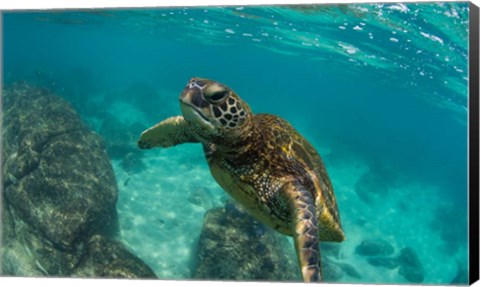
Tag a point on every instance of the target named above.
point(192, 94)
point(193, 104)
point(187, 95)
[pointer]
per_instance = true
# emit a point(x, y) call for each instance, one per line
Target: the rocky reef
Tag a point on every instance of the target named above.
point(380, 253)
point(59, 193)
point(234, 246)
point(410, 266)
point(374, 248)
point(334, 267)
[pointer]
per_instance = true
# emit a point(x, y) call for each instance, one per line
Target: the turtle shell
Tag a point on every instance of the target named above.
point(293, 155)
point(275, 154)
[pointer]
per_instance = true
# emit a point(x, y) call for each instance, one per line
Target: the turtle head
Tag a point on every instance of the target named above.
point(215, 112)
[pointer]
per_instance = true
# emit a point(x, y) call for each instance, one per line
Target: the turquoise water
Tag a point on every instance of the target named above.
point(379, 89)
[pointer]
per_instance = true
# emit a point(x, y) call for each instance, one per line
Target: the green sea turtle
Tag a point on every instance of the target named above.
point(262, 162)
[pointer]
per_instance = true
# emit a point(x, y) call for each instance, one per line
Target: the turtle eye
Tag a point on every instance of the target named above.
point(218, 96)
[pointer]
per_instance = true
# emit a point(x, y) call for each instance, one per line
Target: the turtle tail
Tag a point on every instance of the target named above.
point(305, 233)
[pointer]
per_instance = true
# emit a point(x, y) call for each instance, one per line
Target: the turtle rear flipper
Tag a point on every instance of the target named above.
point(167, 133)
point(305, 231)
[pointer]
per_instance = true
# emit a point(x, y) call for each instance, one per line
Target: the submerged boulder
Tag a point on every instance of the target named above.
point(331, 271)
point(109, 259)
point(410, 266)
point(59, 186)
point(407, 262)
point(334, 271)
point(57, 176)
point(235, 246)
point(374, 248)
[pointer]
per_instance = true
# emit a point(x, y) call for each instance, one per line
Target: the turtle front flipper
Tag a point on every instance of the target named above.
point(305, 231)
point(167, 133)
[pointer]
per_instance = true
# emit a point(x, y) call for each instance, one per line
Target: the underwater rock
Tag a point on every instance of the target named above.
point(331, 271)
point(109, 259)
point(132, 163)
point(386, 262)
point(59, 187)
point(410, 266)
point(63, 183)
point(16, 254)
point(235, 246)
point(120, 139)
point(377, 247)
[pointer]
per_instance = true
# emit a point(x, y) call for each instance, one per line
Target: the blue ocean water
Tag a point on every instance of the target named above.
point(379, 89)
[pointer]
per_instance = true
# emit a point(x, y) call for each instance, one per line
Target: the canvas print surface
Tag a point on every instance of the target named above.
point(279, 143)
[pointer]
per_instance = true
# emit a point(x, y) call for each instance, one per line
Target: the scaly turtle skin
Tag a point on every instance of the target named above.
point(262, 162)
